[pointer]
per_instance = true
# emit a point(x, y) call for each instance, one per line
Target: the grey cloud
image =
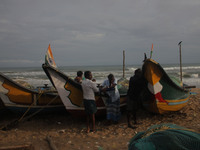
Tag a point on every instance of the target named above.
point(90, 31)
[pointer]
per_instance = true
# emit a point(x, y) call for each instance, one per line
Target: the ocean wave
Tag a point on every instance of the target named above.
point(195, 75)
point(187, 75)
point(184, 68)
point(192, 82)
point(131, 69)
point(37, 77)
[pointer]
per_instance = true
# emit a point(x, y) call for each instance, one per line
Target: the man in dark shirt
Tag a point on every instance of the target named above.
point(136, 83)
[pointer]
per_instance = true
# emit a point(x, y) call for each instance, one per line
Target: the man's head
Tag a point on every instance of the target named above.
point(88, 75)
point(79, 73)
point(138, 72)
point(111, 77)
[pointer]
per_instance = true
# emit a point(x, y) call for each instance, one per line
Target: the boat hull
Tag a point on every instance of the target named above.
point(162, 93)
point(15, 96)
point(71, 93)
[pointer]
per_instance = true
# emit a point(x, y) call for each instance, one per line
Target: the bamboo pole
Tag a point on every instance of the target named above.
point(18, 147)
point(123, 63)
point(180, 60)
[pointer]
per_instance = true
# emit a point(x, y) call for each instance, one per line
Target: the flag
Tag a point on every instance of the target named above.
point(49, 60)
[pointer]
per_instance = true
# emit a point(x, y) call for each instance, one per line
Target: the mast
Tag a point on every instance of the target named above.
point(123, 63)
point(180, 60)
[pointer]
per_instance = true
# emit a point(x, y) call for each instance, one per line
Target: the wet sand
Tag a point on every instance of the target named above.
point(69, 132)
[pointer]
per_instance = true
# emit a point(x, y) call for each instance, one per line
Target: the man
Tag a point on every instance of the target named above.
point(113, 102)
point(79, 77)
point(89, 88)
point(136, 83)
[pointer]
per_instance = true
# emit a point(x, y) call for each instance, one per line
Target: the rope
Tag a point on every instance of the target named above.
point(162, 128)
point(41, 108)
point(22, 117)
point(40, 93)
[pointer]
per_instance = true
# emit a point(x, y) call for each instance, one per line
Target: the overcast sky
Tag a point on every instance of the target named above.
point(95, 32)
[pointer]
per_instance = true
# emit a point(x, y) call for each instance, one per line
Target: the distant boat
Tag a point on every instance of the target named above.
point(162, 93)
point(19, 98)
point(71, 93)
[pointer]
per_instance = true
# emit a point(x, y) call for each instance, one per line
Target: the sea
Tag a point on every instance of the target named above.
point(36, 77)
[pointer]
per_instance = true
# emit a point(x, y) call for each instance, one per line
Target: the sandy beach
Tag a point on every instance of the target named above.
point(69, 132)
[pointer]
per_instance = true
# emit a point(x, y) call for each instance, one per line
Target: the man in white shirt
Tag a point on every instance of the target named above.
point(89, 89)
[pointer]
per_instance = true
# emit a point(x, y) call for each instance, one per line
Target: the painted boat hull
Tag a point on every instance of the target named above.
point(162, 93)
point(71, 93)
point(17, 97)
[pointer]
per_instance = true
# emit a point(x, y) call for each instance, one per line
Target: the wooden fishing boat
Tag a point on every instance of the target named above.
point(162, 93)
point(71, 93)
point(18, 98)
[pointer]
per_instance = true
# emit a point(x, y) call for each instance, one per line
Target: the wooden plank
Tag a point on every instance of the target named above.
point(18, 147)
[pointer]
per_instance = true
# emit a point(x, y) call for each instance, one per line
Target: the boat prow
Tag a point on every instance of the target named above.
point(71, 93)
point(163, 93)
point(19, 98)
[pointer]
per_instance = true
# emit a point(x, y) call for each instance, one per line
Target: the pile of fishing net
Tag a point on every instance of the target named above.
point(122, 85)
point(166, 137)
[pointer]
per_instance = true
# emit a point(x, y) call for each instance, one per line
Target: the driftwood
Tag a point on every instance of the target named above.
point(51, 144)
point(18, 147)
point(189, 87)
point(10, 125)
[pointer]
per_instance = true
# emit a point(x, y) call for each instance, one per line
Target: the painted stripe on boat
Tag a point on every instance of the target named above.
point(177, 103)
point(177, 100)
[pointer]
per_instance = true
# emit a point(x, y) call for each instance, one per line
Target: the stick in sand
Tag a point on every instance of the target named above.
point(51, 144)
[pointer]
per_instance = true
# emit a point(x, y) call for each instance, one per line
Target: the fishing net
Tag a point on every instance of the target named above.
point(166, 137)
point(122, 85)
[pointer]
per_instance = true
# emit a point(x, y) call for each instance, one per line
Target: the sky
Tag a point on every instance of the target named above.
point(95, 32)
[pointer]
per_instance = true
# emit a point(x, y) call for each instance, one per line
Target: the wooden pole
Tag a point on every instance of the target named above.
point(123, 63)
point(18, 147)
point(51, 144)
point(180, 60)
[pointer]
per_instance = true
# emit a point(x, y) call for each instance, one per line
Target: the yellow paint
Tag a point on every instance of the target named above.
point(45, 99)
point(179, 100)
point(20, 96)
point(163, 107)
point(76, 95)
point(17, 95)
point(152, 73)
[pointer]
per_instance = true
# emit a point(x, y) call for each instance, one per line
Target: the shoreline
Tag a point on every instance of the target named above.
point(68, 132)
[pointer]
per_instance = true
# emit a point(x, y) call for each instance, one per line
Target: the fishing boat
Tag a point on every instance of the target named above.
point(19, 98)
point(162, 93)
point(71, 93)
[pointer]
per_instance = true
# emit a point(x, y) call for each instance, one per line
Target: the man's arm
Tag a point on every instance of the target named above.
point(94, 87)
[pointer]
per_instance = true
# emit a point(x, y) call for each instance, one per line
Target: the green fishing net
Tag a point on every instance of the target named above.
point(166, 137)
point(122, 85)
